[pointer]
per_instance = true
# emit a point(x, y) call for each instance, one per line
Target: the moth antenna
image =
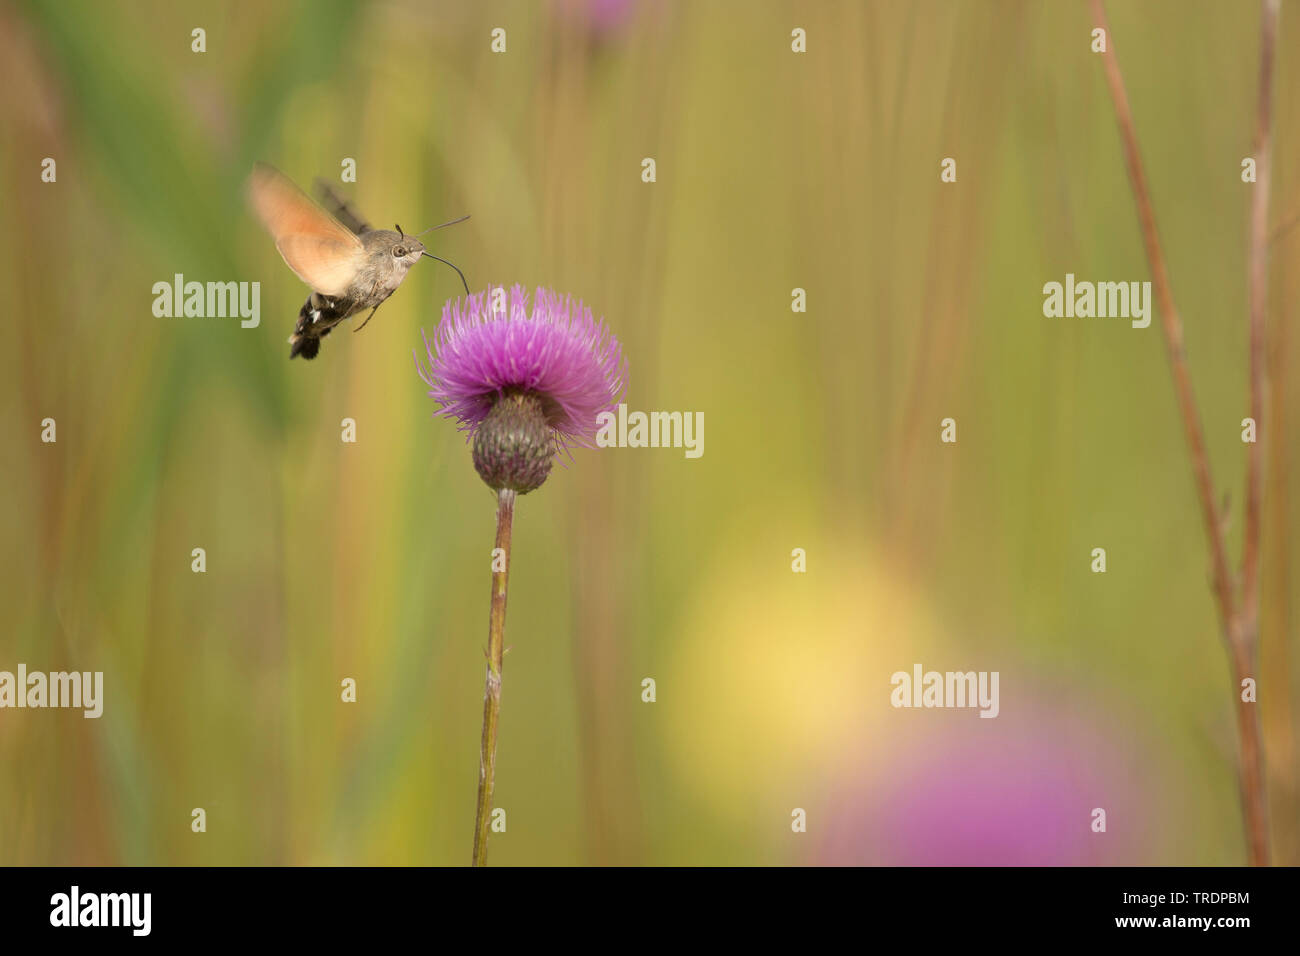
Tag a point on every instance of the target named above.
point(451, 223)
point(453, 265)
point(400, 233)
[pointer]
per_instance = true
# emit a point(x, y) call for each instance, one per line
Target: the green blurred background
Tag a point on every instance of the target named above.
point(775, 170)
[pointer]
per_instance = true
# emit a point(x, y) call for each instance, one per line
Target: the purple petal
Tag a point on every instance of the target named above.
point(557, 351)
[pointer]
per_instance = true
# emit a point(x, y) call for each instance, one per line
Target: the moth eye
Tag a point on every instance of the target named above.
point(399, 252)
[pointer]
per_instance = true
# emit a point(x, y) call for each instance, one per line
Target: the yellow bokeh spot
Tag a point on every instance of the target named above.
point(783, 678)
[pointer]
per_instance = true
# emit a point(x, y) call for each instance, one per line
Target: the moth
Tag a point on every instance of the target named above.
point(349, 266)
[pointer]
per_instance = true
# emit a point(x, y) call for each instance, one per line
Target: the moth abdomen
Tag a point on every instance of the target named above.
point(308, 346)
point(317, 317)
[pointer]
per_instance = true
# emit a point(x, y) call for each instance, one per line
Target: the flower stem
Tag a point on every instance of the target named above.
point(492, 691)
point(1239, 619)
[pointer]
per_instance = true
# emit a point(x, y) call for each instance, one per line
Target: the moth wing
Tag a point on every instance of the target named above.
point(317, 247)
point(325, 264)
point(340, 208)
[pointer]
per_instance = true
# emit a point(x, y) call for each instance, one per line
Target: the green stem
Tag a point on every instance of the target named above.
point(492, 691)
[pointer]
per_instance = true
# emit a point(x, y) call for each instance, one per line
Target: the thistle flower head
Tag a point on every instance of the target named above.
point(523, 383)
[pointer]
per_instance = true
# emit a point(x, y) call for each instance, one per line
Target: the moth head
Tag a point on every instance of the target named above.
point(398, 248)
point(407, 250)
point(403, 250)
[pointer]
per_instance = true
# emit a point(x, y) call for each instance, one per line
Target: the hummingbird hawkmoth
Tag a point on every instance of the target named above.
point(349, 266)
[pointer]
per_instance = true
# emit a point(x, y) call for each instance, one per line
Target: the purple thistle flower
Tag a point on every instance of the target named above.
point(559, 367)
